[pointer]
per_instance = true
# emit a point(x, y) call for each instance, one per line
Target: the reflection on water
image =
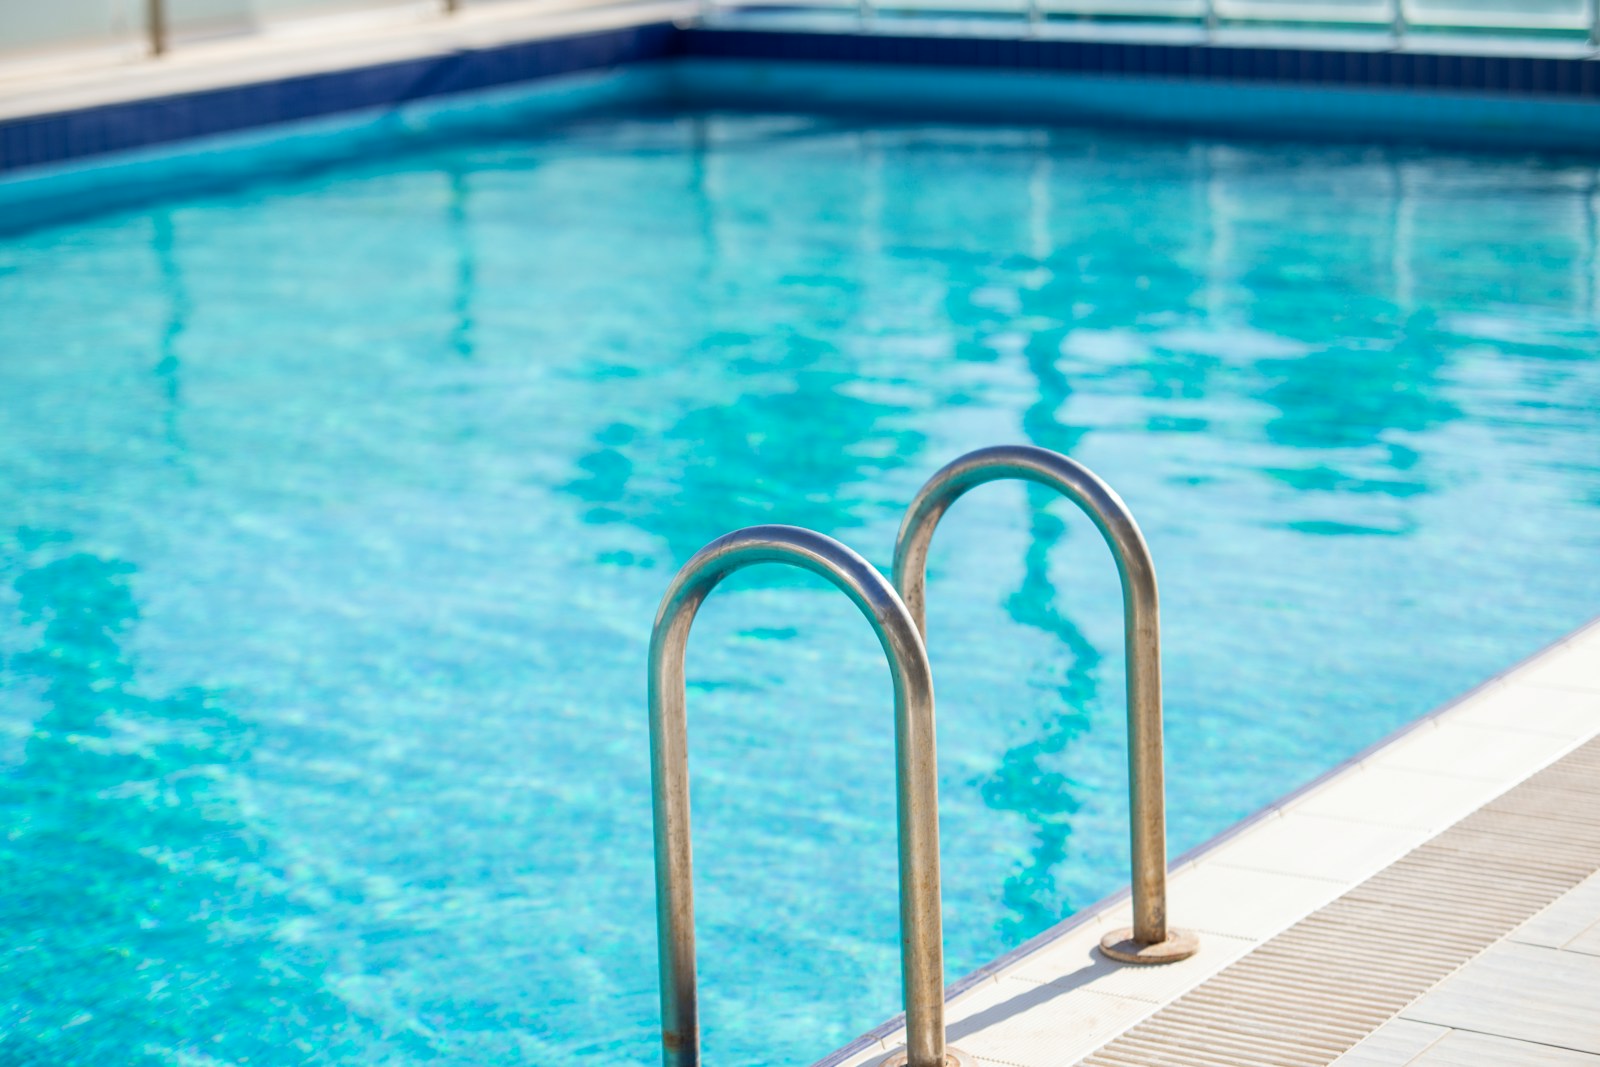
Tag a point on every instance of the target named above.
point(168, 369)
point(794, 441)
point(143, 916)
point(407, 452)
point(466, 264)
point(795, 455)
point(1028, 781)
point(1024, 782)
point(1390, 387)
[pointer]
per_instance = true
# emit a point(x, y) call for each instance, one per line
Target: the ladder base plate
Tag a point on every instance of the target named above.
point(1119, 945)
point(952, 1058)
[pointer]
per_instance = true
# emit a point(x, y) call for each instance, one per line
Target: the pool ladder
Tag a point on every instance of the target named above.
point(898, 620)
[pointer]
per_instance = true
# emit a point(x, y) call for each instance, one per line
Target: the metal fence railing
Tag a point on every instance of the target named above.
point(1576, 21)
point(122, 30)
point(84, 32)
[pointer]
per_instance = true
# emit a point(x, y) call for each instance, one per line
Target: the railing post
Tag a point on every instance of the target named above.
point(1399, 24)
point(156, 26)
point(1150, 940)
point(1209, 17)
point(916, 782)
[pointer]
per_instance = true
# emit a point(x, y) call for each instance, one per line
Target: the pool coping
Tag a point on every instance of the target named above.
point(231, 86)
point(240, 86)
point(1432, 746)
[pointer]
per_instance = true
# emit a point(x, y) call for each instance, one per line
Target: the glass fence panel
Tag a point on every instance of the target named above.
point(29, 29)
point(276, 11)
point(46, 30)
point(195, 19)
point(207, 18)
point(1507, 14)
point(942, 7)
point(50, 30)
point(1190, 9)
point(1335, 11)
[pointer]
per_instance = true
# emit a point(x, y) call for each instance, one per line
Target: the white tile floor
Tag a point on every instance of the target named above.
point(1570, 666)
point(1543, 996)
point(1571, 923)
point(1532, 1000)
point(1397, 796)
point(1328, 847)
point(1063, 1000)
point(1419, 1045)
point(1464, 749)
point(268, 57)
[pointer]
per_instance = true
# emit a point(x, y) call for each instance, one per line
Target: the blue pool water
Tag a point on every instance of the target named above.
point(336, 507)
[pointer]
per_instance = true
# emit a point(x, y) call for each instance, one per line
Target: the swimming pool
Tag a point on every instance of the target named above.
point(339, 503)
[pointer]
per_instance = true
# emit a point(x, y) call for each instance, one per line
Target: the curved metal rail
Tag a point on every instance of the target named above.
point(1150, 940)
point(921, 929)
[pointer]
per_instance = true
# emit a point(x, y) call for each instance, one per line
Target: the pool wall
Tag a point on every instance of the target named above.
point(45, 195)
point(1307, 111)
point(59, 136)
point(1528, 101)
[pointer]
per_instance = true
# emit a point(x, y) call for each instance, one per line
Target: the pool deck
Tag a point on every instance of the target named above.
point(1530, 999)
point(274, 57)
point(1466, 91)
point(1434, 901)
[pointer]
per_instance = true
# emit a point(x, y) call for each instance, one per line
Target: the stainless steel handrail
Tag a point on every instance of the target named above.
point(1150, 940)
point(916, 780)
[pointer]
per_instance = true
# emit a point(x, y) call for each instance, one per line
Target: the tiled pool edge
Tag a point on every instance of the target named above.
point(1207, 104)
point(1086, 926)
point(1310, 63)
point(45, 195)
point(252, 102)
point(1296, 90)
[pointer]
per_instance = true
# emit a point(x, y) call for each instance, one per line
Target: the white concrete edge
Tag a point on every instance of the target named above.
point(268, 58)
point(1242, 859)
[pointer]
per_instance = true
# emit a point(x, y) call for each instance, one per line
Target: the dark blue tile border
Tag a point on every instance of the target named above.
point(1515, 76)
point(68, 135)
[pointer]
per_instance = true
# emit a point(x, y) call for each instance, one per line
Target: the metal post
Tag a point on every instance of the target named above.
point(1210, 17)
point(1150, 940)
point(1399, 24)
point(1594, 24)
point(916, 778)
point(156, 25)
